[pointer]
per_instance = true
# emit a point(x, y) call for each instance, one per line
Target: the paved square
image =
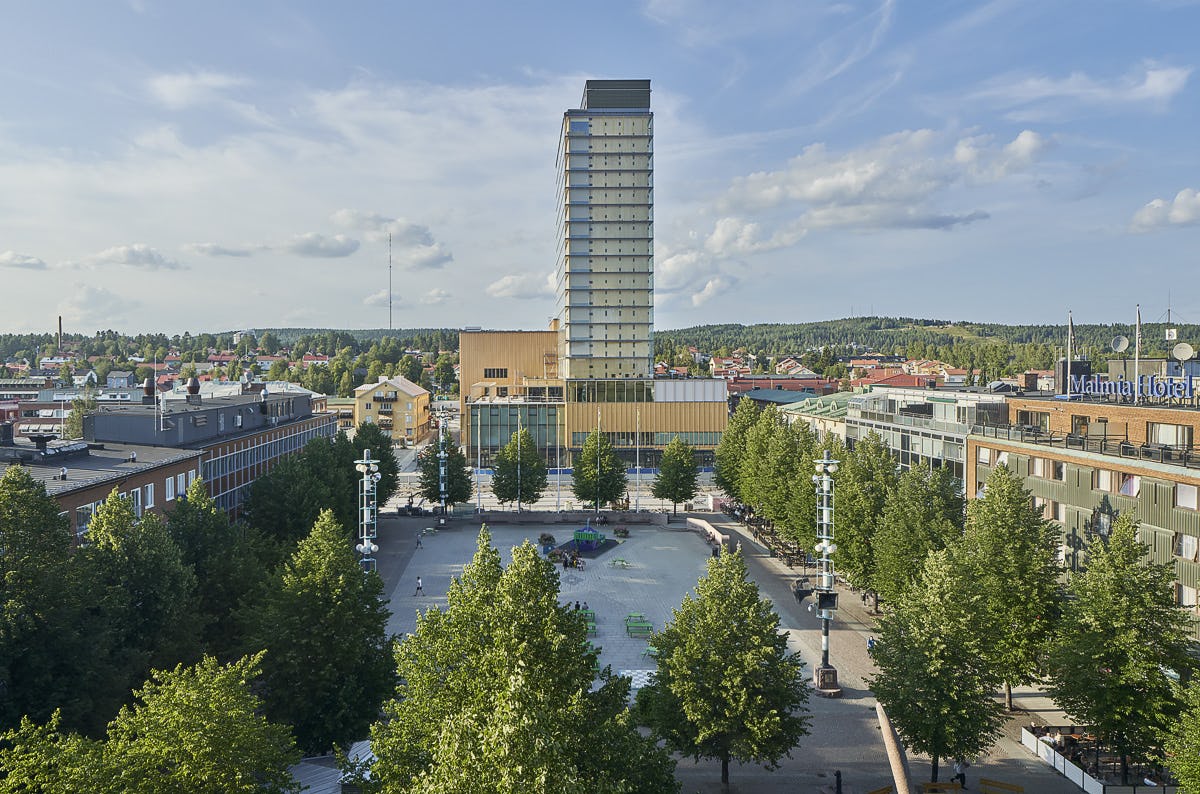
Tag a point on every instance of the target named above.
point(663, 566)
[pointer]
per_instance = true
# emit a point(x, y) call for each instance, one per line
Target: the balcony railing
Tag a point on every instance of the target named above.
point(1101, 444)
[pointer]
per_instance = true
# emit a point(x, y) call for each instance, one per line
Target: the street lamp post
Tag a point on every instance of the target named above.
point(367, 510)
point(825, 676)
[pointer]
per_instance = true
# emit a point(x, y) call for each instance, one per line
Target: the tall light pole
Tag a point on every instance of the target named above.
point(442, 485)
point(366, 510)
point(825, 676)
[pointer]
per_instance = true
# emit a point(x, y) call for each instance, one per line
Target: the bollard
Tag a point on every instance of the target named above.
point(837, 781)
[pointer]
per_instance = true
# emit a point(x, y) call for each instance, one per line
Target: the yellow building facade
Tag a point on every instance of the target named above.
point(399, 406)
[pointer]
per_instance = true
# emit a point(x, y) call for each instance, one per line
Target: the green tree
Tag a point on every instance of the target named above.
point(371, 436)
point(1181, 745)
point(732, 448)
point(598, 474)
point(268, 343)
point(278, 370)
point(196, 729)
point(726, 685)
point(144, 592)
point(458, 480)
point(81, 406)
point(866, 477)
point(45, 634)
point(443, 372)
point(923, 514)
point(520, 473)
point(676, 480)
point(410, 368)
point(497, 694)
point(322, 621)
point(756, 485)
point(1011, 553)
point(1120, 629)
point(227, 559)
point(934, 678)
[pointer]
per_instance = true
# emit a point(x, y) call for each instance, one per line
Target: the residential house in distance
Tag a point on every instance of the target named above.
point(120, 379)
point(399, 406)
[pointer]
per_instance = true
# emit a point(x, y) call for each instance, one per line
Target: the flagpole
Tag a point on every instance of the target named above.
point(597, 464)
point(1070, 341)
point(1137, 354)
point(637, 463)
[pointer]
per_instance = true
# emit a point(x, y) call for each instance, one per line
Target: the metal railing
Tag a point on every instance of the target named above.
point(1115, 446)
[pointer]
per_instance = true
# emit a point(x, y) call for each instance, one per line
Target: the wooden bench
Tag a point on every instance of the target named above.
point(884, 790)
point(940, 788)
point(988, 786)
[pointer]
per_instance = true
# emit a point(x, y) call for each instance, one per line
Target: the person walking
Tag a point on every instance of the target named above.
point(420, 588)
point(960, 771)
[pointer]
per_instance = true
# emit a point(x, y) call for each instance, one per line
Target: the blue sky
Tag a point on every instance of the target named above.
point(220, 165)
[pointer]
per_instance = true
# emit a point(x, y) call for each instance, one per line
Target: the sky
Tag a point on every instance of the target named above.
point(231, 164)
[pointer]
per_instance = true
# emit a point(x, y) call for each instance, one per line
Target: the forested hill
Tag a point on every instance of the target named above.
point(900, 335)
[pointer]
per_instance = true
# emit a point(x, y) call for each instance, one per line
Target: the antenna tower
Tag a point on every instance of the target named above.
point(389, 281)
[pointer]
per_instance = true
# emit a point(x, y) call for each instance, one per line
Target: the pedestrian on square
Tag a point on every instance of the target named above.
point(420, 588)
point(418, 540)
point(960, 771)
point(576, 606)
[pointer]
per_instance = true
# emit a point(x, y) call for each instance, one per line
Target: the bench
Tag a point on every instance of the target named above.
point(635, 617)
point(939, 787)
point(591, 629)
point(884, 790)
point(988, 786)
point(639, 629)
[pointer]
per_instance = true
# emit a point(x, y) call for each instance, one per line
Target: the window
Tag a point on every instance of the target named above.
point(1038, 467)
point(1171, 435)
point(1104, 480)
point(170, 489)
point(181, 484)
point(136, 496)
point(1059, 512)
point(191, 476)
point(150, 495)
point(1185, 496)
point(1060, 471)
point(983, 455)
point(1002, 459)
point(495, 372)
point(1186, 546)
point(1185, 596)
point(1130, 485)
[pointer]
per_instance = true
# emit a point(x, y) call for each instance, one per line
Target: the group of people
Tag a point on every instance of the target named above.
point(572, 560)
point(577, 607)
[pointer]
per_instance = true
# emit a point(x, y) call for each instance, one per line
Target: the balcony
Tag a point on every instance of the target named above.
point(385, 409)
point(1100, 444)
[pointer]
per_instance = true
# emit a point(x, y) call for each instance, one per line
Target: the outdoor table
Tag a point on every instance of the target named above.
point(634, 616)
point(589, 614)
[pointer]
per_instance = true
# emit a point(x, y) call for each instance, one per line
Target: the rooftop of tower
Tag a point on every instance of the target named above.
point(610, 94)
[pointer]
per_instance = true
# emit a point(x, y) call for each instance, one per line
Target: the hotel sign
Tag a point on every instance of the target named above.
point(1147, 386)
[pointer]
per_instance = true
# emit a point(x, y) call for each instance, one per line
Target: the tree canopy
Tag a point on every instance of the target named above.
point(598, 475)
point(519, 474)
point(496, 694)
point(1120, 631)
point(322, 621)
point(677, 475)
point(726, 686)
point(458, 480)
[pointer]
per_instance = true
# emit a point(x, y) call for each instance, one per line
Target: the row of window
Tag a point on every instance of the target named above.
point(142, 499)
point(260, 453)
point(651, 439)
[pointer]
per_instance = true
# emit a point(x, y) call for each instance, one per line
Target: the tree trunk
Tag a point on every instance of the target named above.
point(1008, 696)
point(934, 768)
point(725, 771)
point(675, 506)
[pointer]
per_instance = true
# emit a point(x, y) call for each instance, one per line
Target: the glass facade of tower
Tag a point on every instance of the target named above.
point(606, 255)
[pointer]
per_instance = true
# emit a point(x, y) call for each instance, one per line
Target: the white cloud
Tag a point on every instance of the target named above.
point(213, 249)
point(95, 307)
point(711, 289)
point(1042, 97)
point(435, 297)
point(522, 286)
point(413, 245)
point(380, 298)
point(185, 89)
point(320, 246)
point(23, 261)
point(1183, 210)
point(138, 255)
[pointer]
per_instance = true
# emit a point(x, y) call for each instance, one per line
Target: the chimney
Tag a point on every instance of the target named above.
point(6, 434)
point(193, 391)
point(148, 389)
point(60, 334)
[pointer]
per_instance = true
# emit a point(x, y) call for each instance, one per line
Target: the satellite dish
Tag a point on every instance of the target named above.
point(1182, 351)
point(1120, 344)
